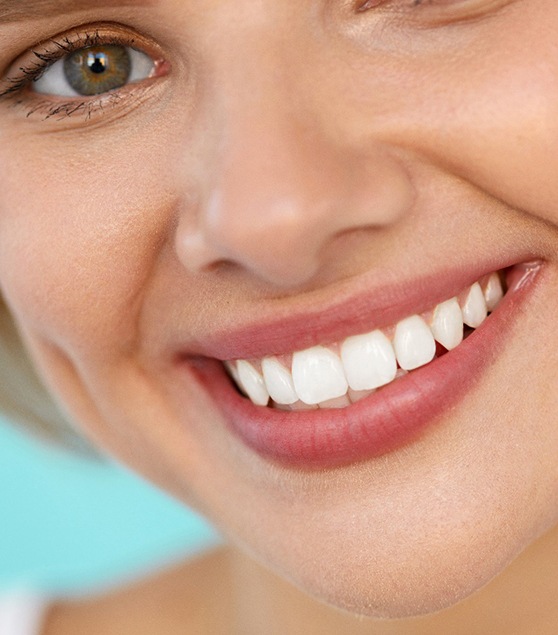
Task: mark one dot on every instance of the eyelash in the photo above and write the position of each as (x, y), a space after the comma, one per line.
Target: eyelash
(366, 5)
(53, 51)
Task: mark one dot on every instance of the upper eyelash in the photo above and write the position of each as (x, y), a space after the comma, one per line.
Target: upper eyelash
(366, 5)
(46, 58)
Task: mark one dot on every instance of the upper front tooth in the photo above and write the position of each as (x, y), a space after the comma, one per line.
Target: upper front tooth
(447, 324)
(252, 382)
(474, 309)
(318, 375)
(369, 360)
(413, 343)
(278, 381)
(493, 292)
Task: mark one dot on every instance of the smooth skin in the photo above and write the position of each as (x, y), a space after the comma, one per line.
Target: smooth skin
(286, 153)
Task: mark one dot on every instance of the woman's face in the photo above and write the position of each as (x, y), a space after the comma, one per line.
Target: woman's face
(278, 176)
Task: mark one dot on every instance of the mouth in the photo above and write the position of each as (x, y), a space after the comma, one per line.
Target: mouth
(366, 394)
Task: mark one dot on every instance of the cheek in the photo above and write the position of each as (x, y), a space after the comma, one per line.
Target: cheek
(478, 104)
(511, 152)
(78, 240)
(500, 128)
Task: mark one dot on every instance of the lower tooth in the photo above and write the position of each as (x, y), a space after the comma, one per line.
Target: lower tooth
(339, 402)
(357, 395)
(280, 406)
(300, 405)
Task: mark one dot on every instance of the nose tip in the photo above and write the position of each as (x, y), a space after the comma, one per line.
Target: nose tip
(279, 223)
(269, 243)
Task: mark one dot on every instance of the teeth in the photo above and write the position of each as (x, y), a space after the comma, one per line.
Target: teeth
(318, 375)
(338, 402)
(279, 381)
(368, 360)
(447, 324)
(474, 310)
(341, 374)
(252, 382)
(357, 395)
(413, 343)
(493, 292)
(231, 367)
(299, 405)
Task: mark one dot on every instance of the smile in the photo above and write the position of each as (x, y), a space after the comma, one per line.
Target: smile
(370, 392)
(342, 373)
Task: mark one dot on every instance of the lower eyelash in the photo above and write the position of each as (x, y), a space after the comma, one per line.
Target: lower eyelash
(59, 111)
(62, 110)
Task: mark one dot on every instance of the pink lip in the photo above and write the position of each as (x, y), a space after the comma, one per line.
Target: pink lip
(388, 419)
(378, 306)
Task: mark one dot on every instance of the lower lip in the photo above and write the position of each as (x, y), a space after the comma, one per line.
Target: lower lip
(390, 418)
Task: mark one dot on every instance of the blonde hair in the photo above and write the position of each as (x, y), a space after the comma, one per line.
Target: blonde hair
(23, 398)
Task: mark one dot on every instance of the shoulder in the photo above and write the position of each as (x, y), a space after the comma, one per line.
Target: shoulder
(192, 596)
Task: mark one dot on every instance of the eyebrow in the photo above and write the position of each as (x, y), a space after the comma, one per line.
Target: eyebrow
(19, 10)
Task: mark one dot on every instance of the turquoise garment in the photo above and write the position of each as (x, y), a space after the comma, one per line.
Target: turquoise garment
(72, 526)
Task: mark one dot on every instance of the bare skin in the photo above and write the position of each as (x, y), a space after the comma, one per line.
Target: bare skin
(280, 157)
(224, 592)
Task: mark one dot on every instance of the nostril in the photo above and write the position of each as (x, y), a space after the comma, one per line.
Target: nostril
(278, 256)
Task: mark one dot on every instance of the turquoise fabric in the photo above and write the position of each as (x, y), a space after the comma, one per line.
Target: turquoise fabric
(68, 525)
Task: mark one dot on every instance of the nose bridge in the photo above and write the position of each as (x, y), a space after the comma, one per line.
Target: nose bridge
(269, 165)
(271, 192)
(263, 129)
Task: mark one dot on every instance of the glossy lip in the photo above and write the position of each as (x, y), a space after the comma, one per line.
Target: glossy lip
(386, 420)
(349, 313)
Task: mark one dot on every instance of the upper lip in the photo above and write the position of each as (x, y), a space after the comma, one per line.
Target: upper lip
(350, 311)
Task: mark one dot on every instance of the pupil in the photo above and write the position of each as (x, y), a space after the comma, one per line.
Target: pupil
(97, 63)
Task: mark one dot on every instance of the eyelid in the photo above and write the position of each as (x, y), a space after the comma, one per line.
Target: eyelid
(463, 11)
(433, 12)
(39, 58)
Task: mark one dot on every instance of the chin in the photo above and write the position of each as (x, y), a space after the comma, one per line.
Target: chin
(398, 589)
(418, 562)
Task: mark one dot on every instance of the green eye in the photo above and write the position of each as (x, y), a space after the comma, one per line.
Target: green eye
(95, 70)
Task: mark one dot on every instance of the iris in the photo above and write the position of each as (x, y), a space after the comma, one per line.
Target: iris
(98, 69)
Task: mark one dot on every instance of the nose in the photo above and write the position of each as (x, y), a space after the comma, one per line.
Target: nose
(281, 187)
